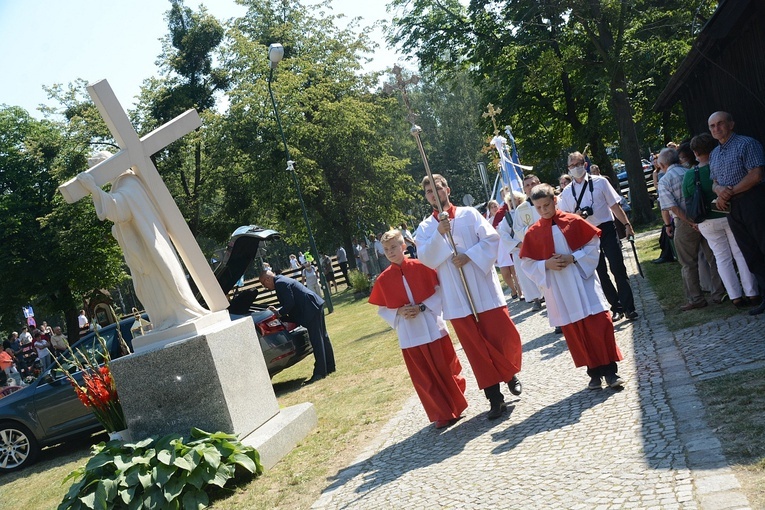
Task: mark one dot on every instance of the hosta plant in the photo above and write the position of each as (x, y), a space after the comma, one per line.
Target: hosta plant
(165, 473)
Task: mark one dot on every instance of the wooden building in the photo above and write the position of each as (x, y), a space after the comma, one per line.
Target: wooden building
(725, 70)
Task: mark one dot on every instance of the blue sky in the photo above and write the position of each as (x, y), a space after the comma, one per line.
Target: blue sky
(44, 42)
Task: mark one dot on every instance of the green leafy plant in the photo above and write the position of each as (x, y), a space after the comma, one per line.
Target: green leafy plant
(359, 281)
(165, 473)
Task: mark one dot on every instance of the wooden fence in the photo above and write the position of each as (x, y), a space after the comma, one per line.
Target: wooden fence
(268, 297)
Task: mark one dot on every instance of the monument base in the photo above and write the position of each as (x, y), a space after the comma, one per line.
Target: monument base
(215, 381)
(280, 434)
(160, 338)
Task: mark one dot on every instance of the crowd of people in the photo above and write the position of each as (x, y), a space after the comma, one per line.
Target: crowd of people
(26, 354)
(721, 249)
(453, 278)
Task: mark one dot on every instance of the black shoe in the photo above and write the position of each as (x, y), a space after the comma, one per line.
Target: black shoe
(631, 316)
(516, 388)
(661, 261)
(617, 316)
(758, 310)
(595, 383)
(496, 410)
(558, 330)
(614, 381)
(693, 306)
(313, 379)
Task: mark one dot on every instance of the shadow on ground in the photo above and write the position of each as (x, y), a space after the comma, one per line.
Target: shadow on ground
(556, 416)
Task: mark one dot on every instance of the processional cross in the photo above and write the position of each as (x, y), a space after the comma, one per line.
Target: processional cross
(415, 131)
(492, 112)
(135, 154)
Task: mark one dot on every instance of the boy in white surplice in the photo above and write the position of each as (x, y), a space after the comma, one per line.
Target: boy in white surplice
(560, 254)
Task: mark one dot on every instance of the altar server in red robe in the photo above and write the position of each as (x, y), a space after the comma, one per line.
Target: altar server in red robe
(408, 298)
(491, 343)
(560, 253)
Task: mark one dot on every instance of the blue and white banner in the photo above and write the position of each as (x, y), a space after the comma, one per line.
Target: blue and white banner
(510, 169)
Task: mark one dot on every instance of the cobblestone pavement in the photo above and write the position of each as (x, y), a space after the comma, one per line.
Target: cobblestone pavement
(561, 445)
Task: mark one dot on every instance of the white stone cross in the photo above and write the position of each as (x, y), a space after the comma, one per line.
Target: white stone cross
(135, 154)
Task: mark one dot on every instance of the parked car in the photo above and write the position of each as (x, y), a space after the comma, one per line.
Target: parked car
(622, 175)
(48, 411)
(283, 343)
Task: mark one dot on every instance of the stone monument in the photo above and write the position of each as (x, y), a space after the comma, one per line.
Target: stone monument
(196, 368)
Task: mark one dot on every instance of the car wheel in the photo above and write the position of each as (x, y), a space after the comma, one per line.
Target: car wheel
(18, 447)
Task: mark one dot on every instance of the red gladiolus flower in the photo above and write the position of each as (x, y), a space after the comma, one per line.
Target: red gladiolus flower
(97, 390)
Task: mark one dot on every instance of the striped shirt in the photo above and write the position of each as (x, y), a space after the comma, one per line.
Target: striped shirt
(731, 161)
(671, 188)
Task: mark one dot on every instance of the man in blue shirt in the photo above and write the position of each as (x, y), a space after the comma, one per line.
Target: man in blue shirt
(736, 169)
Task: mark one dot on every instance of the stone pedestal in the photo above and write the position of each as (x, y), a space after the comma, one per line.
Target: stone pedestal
(157, 339)
(215, 381)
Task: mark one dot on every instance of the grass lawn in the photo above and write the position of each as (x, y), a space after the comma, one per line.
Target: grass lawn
(370, 385)
(667, 283)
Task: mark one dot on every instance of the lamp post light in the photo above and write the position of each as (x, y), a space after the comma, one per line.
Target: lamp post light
(275, 55)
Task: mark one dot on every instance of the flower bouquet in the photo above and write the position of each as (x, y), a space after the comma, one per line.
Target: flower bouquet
(97, 390)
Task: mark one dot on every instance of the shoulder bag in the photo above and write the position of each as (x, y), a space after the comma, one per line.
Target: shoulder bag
(696, 206)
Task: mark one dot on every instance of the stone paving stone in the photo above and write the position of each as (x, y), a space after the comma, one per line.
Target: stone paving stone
(561, 446)
(717, 483)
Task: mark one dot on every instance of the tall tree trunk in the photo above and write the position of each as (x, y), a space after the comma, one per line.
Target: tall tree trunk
(628, 141)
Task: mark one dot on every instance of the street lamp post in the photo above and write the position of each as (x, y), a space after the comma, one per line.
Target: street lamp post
(275, 55)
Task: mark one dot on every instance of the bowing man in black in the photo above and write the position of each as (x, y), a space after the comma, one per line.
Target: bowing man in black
(304, 307)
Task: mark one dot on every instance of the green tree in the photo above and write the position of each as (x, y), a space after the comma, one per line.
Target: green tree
(339, 134)
(189, 81)
(455, 141)
(569, 66)
(53, 253)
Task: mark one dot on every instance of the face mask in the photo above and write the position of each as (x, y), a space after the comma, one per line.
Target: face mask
(578, 172)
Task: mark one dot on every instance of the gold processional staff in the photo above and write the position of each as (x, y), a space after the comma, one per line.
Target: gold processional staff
(415, 132)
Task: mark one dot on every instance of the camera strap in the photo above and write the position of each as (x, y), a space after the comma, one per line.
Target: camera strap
(581, 194)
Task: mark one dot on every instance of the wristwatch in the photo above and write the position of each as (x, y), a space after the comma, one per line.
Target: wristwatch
(422, 307)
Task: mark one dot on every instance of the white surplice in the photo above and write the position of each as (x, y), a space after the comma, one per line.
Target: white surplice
(427, 327)
(573, 293)
(524, 216)
(475, 237)
(507, 242)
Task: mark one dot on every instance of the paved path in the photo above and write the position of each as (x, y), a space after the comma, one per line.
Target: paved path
(562, 446)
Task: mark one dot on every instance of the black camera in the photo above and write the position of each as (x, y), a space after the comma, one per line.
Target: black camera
(586, 211)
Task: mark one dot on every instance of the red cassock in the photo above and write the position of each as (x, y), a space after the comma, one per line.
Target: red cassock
(590, 340)
(492, 345)
(433, 367)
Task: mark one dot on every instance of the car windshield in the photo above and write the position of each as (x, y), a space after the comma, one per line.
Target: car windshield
(89, 348)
